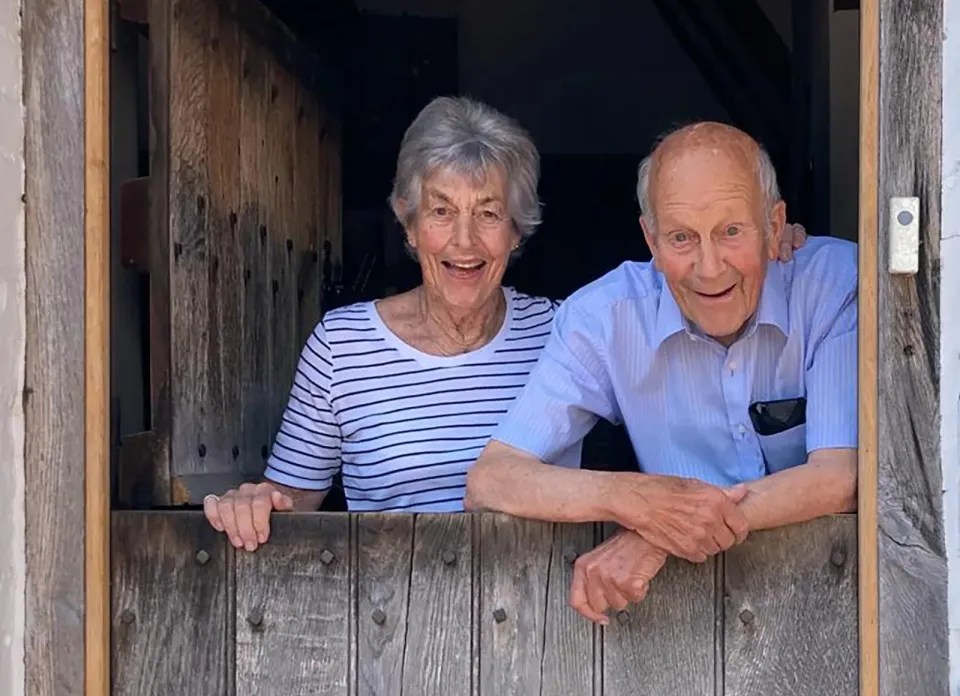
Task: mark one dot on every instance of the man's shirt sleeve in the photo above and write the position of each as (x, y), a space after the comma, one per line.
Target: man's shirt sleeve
(831, 373)
(567, 390)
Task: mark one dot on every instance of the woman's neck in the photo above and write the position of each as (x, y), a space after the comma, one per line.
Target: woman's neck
(459, 331)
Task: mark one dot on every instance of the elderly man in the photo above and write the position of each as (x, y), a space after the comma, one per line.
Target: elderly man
(736, 378)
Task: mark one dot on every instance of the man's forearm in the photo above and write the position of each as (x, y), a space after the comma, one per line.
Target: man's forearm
(825, 485)
(507, 480)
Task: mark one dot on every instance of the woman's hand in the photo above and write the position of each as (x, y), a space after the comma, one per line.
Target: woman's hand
(244, 514)
(793, 238)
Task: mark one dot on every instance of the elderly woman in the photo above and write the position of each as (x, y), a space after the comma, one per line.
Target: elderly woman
(401, 395)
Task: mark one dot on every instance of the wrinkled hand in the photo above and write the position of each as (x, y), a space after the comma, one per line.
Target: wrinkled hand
(244, 514)
(684, 517)
(794, 237)
(616, 573)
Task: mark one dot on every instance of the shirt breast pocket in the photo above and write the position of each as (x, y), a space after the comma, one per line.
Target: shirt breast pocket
(781, 428)
(784, 449)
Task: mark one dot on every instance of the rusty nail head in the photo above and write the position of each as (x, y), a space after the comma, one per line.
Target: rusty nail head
(746, 616)
(378, 616)
(623, 617)
(569, 555)
(127, 616)
(449, 557)
(838, 557)
(202, 557)
(255, 618)
(499, 615)
(326, 557)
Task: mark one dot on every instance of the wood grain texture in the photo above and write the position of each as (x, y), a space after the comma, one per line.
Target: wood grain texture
(97, 489)
(437, 657)
(515, 567)
(170, 603)
(225, 273)
(307, 207)
(53, 400)
(568, 658)
(281, 133)
(913, 571)
(190, 321)
(384, 569)
(255, 364)
(155, 488)
(790, 611)
(867, 485)
(665, 643)
(293, 609)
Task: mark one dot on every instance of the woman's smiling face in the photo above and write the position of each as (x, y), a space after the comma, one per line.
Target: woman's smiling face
(463, 234)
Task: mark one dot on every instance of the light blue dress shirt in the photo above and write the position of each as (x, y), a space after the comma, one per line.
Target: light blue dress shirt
(621, 350)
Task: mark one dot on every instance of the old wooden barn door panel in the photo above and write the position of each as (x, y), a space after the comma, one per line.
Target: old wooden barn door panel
(244, 192)
(907, 121)
(364, 604)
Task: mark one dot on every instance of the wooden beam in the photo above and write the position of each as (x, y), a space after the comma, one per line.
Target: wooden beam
(54, 383)
(869, 239)
(96, 20)
(912, 559)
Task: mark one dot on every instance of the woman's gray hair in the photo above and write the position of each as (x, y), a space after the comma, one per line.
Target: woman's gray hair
(766, 175)
(468, 137)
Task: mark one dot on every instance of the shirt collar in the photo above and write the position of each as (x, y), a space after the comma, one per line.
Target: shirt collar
(772, 310)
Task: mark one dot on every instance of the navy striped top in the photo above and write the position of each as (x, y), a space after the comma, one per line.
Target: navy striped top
(402, 425)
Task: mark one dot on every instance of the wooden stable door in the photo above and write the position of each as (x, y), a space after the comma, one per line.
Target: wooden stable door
(903, 580)
(244, 216)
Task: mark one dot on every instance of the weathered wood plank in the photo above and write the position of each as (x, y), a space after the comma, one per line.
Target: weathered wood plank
(189, 230)
(790, 612)
(251, 229)
(384, 569)
(282, 132)
(293, 609)
(170, 590)
(225, 280)
(307, 205)
(438, 651)
(53, 396)
(913, 572)
(665, 644)
(569, 641)
(516, 563)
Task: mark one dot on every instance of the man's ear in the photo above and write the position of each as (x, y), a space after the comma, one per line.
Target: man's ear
(648, 235)
(777, 221)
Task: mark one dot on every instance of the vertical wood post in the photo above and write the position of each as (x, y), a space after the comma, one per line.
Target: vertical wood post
(96, 22)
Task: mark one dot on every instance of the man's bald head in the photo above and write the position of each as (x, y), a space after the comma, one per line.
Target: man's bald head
(711, 139)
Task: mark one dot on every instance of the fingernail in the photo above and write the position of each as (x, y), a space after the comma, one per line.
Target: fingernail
(262, 537)
(250, 546)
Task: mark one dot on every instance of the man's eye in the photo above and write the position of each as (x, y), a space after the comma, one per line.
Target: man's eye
(680, 237)
(440, 211)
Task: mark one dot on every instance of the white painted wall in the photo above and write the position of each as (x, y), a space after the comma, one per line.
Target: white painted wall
(12, 345)
(950, 325)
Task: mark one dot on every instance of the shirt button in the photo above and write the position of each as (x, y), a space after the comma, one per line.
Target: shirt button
(731, 366)
(741, 429)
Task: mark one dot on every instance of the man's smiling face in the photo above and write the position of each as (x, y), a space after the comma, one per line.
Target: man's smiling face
(714, 232)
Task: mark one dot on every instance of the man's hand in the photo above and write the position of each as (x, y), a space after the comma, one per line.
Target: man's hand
(244, 514)
(616, 573)
(794, 237)
(684, 517)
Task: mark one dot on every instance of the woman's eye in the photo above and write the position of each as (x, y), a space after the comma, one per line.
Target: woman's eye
(489, 215)
(732, 231)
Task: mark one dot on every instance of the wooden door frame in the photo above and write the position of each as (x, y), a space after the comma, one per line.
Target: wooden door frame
(66, 59)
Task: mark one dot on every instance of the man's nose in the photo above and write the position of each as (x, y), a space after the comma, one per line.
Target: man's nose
(709, 265)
